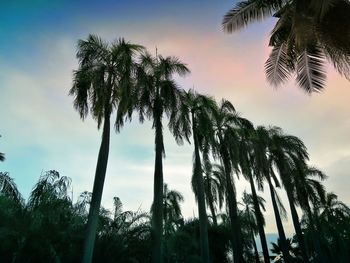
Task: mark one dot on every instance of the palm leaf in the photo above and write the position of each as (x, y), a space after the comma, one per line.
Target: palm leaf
(246, 12)
(277, 67)
(311, 75)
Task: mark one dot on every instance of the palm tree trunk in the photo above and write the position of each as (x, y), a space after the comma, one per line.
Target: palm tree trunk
(157, 212)
(281, 234)
(260, 221)
(100, 175)
(203, 219)
(256, 254)
(296, 224)
(236, 236)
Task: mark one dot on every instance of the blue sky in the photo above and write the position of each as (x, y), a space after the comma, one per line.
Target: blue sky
(41, 131)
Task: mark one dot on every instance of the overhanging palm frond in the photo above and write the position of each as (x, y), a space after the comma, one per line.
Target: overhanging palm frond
(311, 74)
(277, 67)
(246, 12)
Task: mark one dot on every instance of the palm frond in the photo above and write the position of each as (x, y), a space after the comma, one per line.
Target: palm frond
(246, 12)
(277, 66)
(9, 189)
(311, 75)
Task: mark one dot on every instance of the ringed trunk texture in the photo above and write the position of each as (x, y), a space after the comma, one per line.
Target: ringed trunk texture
(279, 224)
(203, 219)
(259, 218)
(100, 175)
(157, 213)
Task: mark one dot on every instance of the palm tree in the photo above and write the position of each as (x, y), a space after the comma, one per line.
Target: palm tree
(250, 213)
(103, 80)
(157, 94)
(253, 161)
(172, 210)
(195, 112)
(261, 143)
(305, 35)
(214, 186)
(225, 120)
(9, 189)
(286, 152)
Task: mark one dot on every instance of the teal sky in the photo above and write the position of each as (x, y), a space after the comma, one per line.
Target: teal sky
(41, 131)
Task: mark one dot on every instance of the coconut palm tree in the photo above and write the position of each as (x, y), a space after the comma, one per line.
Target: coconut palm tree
(214, 186)
(252, 154)
(196, 113)
(286, 152)
(9, 189)
(225, 120)
(261, 143)
(172, 210)
(251, 215)
(305, 35)
(157, 94)
(102, 81)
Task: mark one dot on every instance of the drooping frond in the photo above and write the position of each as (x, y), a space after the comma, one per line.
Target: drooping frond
(246, 12)
(9, 189)
(277, 67)
(311, 75)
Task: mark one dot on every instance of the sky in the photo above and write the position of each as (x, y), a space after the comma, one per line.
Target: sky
(41, 130)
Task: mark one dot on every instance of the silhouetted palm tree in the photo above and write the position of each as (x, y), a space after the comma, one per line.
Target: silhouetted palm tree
(157, 94)
(286, 152)
(261, 143)
(9, 189)
(253, 163)
(225, 120)
(172, 210)
(250, 214)
(102, 81)
(305, 34)
(214, 187)
(195, 113)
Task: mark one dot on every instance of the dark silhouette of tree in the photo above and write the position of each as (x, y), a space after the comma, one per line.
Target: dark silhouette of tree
(102, 81)
(157, 94)
(305, 35)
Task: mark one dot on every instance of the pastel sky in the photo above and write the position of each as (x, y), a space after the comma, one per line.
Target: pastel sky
(41, 131)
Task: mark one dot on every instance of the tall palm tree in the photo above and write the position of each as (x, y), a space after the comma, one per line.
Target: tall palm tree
(305, 35)
(172, 209)
(252, 161)
(196, 112)
(250, 212)
(261, 143)
(102, 81)
(225, 120)
(286, 152)
(214, 187)
(157, 94)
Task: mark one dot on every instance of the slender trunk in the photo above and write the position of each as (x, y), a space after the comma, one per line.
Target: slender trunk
(296, 224)
(236, 236)
(203, 219)
(281, 234)
(157, 213)
(260, 221)
(100, 175)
